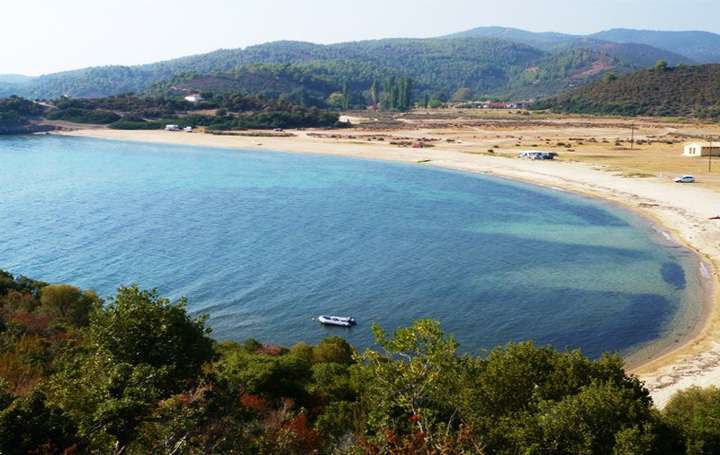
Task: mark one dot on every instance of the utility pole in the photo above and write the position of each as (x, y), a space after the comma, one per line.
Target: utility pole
(710, 154)
(632, 137)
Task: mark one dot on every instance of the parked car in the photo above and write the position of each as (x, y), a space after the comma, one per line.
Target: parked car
(685, 179)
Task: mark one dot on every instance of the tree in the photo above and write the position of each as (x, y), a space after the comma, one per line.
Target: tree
(336, 99)
(30, 425)
(661, 65)
(346, 96)
(331, 382)
(635, 441)
(500, 397)
(67, 304)
(405, 94)
(143, 348)
(599, 415)
(435, 103)
(397, 93)
(609, 77)
(695, 414)
(108, 400)
(333, 349)
(411, 381)
(374, 95)
(273, 376)
(140, 327)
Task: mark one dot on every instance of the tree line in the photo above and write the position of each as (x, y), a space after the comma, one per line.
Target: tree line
(229, 111)
(137, 373)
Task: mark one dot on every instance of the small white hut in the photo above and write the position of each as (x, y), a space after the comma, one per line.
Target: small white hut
(702, 149)
(194, 98)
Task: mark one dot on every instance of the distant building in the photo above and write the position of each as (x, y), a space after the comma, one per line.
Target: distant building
(195, 98)
(493, 105)
(171, 127)
(702, 149)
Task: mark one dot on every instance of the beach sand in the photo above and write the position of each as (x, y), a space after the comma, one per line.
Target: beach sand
(682, 211)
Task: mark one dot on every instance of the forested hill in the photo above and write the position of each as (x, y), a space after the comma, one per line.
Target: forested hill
(679, 91)
(698, 46)
(484, 66)
(703, 47)
(273, 81)
(433, 65)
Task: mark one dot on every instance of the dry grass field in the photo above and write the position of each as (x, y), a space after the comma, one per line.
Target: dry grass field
(604, 142)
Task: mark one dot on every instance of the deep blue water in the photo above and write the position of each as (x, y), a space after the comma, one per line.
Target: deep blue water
(264, 241)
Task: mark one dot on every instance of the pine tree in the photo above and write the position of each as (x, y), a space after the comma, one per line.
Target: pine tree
(387, 93)
(407, 93)
(346, 95)
(402, 93)
(374, 93)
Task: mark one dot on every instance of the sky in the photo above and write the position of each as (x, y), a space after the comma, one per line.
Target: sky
(45, 36)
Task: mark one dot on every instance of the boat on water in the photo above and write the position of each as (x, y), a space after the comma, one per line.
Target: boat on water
(339, 321)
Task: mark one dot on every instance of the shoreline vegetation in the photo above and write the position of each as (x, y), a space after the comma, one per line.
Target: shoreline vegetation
(682, 212)
(137, 373)
(214, 113)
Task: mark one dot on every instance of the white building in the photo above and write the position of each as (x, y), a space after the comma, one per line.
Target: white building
(171, 127)
(702, 149)
(194, 98)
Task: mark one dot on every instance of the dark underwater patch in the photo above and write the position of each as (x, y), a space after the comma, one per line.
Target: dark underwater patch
(673, 274)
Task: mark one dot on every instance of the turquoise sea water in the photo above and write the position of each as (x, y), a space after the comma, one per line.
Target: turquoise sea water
(263, 242)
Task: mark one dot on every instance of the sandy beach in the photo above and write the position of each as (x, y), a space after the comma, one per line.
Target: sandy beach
(682, 211)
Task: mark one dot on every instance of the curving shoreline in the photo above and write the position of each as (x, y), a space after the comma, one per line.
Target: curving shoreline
(682, 211)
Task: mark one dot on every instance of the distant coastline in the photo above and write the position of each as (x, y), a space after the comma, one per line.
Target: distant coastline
(680, 213)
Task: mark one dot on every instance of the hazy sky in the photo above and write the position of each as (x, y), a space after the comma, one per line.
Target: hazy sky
(42, 36)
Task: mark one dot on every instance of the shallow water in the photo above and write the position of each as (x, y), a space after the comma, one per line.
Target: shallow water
(265, 241)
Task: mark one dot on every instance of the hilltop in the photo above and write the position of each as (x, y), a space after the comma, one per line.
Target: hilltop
(483, 62)
(703, 47)
(680, 91)
(697, 46)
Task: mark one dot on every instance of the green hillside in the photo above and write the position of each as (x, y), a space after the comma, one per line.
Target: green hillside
(483, 65)
(283, 82)
(482, 62)
(564, 70)
(17, 116)
(680, 91)
(703, 47)
(633, 54)
(438, 67)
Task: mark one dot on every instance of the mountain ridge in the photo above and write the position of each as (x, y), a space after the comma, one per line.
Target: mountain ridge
(488, 61)
(701, 46)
